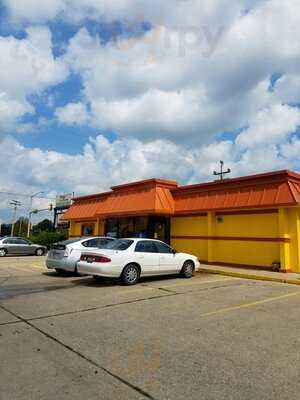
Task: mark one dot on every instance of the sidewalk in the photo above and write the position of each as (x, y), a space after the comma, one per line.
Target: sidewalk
(261, 275)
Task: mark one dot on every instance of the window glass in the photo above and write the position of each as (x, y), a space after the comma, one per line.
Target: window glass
(69, 241)
(121, 244)
(163, 248)
(145, 246)
(141, 227)
(102, 243)
(87, 229)
(8, 241)
(90, 243)
(112, 228)
(21, 241)
(126, 227)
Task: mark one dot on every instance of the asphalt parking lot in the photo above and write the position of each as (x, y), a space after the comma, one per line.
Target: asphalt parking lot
(211, 337)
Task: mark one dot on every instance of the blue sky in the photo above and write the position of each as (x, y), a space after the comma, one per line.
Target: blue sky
(93, 94)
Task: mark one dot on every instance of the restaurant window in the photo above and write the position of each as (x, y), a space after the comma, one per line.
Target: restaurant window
(154, 227)
(87, 229)
(112, 228)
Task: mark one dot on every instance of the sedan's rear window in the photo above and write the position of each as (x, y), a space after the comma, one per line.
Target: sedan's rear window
(121, 244)
(69, 241)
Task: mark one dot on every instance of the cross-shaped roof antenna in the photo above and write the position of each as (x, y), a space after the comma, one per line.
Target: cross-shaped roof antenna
(222, 173)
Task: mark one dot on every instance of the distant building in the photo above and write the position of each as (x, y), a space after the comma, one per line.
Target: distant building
(252, 221)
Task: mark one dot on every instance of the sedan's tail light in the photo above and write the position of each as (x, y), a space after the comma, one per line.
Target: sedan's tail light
(96, 259)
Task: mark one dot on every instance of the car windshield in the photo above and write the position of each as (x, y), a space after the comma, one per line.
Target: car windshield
(121, 244)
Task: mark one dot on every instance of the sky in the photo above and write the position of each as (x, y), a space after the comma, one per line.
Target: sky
(95, 93)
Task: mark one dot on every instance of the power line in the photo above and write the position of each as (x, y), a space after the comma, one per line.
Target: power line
(26, 195)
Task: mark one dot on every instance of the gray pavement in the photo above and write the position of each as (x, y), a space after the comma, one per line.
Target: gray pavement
(212, 337)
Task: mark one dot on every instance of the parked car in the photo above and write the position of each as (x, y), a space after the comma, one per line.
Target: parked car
(64, 256)
(129, 259)
(20, 246)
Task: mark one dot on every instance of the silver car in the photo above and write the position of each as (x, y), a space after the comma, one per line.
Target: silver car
(20, 246)
(64, 256)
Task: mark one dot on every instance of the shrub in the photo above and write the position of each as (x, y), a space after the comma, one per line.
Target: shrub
(48, 238)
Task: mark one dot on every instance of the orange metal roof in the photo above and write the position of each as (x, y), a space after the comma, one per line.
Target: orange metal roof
(147, 197)
(83, 209)
(274, 189)
(151, 196)
(157, 196)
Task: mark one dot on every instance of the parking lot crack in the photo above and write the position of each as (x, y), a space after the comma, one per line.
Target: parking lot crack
(79, 354)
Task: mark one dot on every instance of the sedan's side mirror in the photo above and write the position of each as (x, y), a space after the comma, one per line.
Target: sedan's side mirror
(174, 251)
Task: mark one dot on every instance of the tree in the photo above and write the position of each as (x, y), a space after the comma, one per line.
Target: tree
(5, 230)
(20, 228)
(43, 226)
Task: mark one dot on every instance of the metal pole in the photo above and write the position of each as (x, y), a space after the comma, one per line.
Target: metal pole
(13, 219)
(30, 212)
(29, 218)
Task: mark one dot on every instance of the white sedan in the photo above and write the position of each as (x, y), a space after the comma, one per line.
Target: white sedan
(64, 256)
(129, 259)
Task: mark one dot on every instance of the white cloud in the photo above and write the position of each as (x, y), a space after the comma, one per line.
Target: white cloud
(270, 126)
(27, 66)
(72, 114)
(159, 85)
(170, 11)
(102, 164)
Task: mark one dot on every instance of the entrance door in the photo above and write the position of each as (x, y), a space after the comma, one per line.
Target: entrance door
(159, 228)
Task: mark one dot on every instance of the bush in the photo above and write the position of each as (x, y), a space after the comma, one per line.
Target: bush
(48, 238)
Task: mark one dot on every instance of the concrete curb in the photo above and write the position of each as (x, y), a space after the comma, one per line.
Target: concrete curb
(246, 275)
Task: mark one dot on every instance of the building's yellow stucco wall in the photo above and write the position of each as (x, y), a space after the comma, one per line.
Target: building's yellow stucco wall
(292, 250)
(265, 229)
(247, 253)
(75, 229)
(256, 226)
(195, 226)
(249, 225)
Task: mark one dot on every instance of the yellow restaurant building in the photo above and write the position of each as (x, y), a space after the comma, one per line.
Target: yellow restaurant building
(250, 221)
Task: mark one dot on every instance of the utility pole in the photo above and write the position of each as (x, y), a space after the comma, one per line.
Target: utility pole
(15, 204)
(30, 212)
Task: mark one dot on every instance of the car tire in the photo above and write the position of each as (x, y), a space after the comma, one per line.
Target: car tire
(3, 252)
(39, 252)
(59, 271)
(187, 270)
(98, 278)
(130, 275)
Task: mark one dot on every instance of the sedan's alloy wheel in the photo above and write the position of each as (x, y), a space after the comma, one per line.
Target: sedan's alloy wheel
(187, 269)
(39, 252)
(130, 274)
(2, 252)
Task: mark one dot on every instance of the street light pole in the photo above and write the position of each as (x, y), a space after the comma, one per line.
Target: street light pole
(30, 212)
